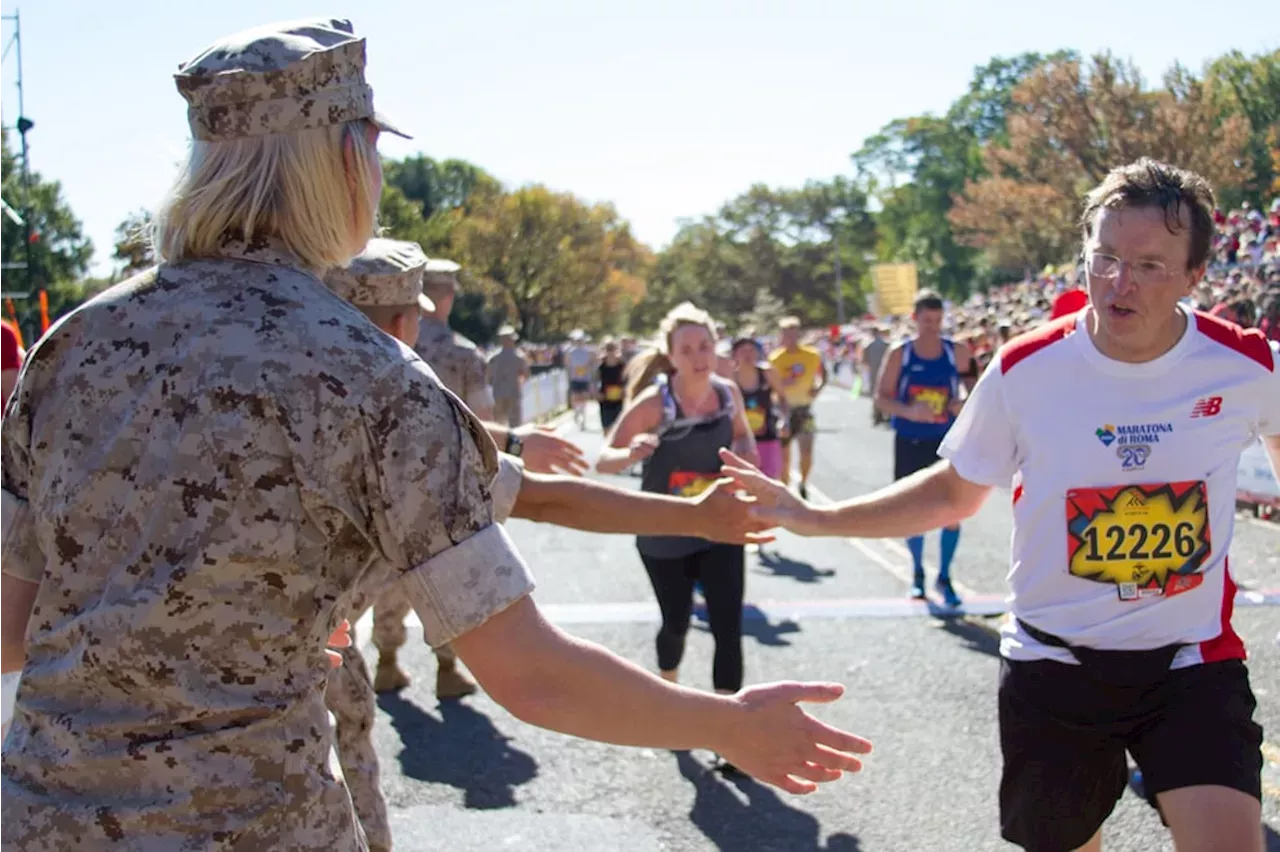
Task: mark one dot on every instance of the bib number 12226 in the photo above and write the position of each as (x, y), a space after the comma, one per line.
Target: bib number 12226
(1147, 540)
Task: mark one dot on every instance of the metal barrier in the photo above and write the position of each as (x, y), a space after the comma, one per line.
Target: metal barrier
(1256, 484)
(545, 394)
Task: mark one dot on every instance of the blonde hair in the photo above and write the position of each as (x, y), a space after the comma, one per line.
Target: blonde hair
(292, 186)
(644, 368)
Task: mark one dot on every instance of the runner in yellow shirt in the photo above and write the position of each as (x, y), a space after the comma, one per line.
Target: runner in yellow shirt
(803, 375)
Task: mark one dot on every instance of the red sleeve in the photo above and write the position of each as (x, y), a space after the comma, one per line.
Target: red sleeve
(12, 359)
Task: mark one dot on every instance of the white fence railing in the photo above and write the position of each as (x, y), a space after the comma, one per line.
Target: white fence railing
(545, 394)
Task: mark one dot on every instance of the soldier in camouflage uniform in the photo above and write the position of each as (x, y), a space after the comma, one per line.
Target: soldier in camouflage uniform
(461, 368)
(385, 283)
(201, 465)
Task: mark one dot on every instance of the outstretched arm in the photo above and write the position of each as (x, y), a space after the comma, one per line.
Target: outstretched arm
(582, 504)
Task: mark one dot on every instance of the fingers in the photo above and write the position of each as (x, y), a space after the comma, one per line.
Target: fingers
(814, 772)
(834, 738)
(341, 638)
(760, 538)
(832, 759)
(791, 785)
(818, 693)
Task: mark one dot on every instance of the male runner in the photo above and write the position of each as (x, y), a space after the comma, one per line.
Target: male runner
(580, 363)
(919, 388)
(803, 376)
(1123, 425)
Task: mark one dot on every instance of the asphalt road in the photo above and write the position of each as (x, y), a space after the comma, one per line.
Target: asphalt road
(467, 776)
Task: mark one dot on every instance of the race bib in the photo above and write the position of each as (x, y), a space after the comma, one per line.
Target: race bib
(755, 420)
(1148, 540)
(580, 372)
(613, 393)
(684, 483)
(936, 398)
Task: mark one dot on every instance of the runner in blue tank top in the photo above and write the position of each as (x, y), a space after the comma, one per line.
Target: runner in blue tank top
(919, 389)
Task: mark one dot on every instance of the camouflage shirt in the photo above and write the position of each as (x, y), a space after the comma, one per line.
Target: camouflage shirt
(455, 360)
(199, 467)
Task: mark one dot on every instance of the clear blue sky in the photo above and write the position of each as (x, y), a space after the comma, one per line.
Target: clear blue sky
(664, 107)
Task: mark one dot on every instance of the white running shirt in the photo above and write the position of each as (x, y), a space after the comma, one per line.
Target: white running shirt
(1124, 481)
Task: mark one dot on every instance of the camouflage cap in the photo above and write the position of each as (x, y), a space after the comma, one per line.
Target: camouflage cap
(278, 78)
(441, 271)
(387, 272)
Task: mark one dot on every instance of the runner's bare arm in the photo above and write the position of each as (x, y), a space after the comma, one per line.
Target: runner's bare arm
(822, 377)
(887, 384)
(775, 383)
(550, 679)
(935, 497)
(744, 441)
(17, 597)
(964, 362)
(632, 433)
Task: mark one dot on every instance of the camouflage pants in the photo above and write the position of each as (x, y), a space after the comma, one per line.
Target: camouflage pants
(507, 410)
(389, 632)
(350, 698)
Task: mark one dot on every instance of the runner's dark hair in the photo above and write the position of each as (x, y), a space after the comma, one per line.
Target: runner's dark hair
(1151, 183)
(927, 300)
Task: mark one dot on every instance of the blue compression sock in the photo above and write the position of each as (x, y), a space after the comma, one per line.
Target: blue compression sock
(916, 545)
(950, 539)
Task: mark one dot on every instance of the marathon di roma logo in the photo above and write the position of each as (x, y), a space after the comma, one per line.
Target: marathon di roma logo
(1147, 540)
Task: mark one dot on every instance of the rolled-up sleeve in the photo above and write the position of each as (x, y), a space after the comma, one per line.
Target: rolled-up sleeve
(430, 466)
(506, 486)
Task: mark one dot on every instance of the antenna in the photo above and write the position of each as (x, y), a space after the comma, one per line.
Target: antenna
(23, 214)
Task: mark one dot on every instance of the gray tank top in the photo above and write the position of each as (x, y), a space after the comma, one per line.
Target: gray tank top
(686, 462)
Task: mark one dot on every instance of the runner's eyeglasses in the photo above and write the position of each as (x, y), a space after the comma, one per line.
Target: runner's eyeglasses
(1108, 266)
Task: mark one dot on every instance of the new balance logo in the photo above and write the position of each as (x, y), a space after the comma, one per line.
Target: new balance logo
(1207, 407)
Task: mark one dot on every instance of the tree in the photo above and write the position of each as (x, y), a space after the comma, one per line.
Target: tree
(776, 241)
(1070, 125)
(133, 244)
(555, 261)
(914, 167)
(58, 253)
(1239, 85)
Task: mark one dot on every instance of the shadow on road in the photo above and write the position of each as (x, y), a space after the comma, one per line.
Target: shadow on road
(754, 624)
(782, 566)
(762, 822)
(975, 637)
(462, 748)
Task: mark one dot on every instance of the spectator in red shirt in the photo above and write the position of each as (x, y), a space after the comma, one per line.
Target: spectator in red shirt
(12, 361)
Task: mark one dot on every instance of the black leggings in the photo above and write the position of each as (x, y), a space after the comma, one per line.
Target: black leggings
(722, 570)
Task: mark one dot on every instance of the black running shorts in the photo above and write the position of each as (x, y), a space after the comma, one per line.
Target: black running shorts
(800, 422)
(1064, 736)
(913, 454)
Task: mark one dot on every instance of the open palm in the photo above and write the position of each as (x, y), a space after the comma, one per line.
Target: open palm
(775, 505)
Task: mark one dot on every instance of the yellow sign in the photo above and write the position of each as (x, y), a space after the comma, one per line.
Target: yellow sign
(896, 287)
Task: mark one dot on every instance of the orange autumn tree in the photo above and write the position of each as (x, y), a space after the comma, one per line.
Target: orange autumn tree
(1069, 125)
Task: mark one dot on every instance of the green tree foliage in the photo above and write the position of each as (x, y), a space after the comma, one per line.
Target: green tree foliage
(779, 242)
(133, 250)
(556, 262)
(1250, 86)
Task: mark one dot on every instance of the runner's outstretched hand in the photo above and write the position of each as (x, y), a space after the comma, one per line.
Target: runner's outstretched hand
(775, 504)
(725, 516)
(778, 743)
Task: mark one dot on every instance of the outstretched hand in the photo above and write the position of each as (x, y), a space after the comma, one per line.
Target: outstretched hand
(725, 516)
(779, 743)
(774, 504)
(547, 452)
